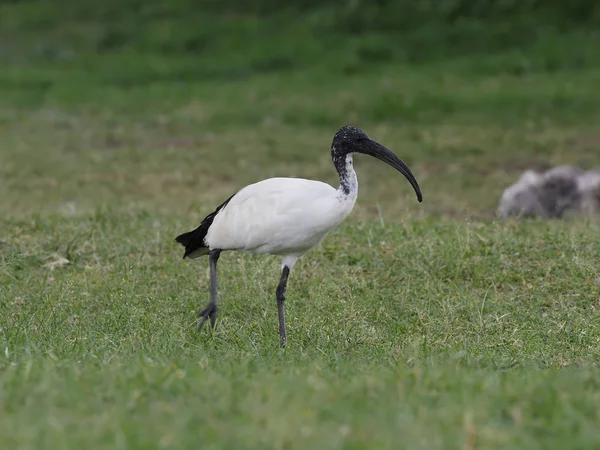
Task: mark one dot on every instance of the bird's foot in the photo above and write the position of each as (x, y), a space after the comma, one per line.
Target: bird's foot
(209, 312)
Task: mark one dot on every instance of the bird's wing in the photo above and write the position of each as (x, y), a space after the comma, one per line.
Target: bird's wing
(275, 215)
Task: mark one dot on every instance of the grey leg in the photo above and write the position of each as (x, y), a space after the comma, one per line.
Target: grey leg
(211, 310)
(280, 294)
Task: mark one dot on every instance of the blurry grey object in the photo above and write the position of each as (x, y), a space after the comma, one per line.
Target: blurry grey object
(522, 199)
(589, 186)
(561, 191)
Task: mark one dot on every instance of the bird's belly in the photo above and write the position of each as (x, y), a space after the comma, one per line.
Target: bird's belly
(298, 244)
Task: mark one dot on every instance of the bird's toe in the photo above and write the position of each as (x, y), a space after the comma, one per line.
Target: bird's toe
(210, 312)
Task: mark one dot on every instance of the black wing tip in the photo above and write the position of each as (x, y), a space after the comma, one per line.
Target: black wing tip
(185, 238)
(194, 240)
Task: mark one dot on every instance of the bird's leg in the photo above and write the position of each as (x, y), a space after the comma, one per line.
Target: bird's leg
(280, 294)
(211, 310)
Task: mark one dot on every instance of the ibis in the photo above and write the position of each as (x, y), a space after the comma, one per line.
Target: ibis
(285, 216)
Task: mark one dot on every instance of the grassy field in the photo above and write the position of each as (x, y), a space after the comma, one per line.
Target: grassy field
(418, 326)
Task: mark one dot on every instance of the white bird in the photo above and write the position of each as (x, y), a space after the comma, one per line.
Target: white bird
(285, 216)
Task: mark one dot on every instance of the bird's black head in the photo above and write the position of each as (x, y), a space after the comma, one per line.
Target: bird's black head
(350, 139)
(347, 140)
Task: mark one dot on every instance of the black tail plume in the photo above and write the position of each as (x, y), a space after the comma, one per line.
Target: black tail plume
(194, 241)
(186, 238)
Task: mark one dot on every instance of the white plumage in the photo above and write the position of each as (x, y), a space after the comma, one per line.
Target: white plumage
(279, 216)
(285, 216)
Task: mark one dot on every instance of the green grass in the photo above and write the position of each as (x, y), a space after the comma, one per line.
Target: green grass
(422, 333)
(430, 325)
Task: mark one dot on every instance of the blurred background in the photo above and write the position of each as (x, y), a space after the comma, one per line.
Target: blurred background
(173, 105)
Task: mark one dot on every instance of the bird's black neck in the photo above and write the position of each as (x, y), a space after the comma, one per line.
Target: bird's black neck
(344, 165)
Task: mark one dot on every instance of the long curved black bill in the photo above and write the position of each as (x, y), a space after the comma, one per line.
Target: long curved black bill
(375, 149)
